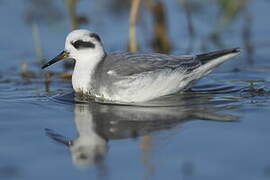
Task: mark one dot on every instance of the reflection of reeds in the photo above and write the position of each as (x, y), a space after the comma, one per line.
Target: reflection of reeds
(65, 76)
(146, 148)
(132, 44)
(47, 81)
(252, 90)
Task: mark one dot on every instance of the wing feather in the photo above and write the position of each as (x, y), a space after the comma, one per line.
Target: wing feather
(127, 64)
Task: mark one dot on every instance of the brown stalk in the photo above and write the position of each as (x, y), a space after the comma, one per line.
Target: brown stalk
(71, 5)
(160, 41)
(132, 44)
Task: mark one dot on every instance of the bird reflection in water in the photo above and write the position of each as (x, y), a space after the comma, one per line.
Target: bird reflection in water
(97, 124)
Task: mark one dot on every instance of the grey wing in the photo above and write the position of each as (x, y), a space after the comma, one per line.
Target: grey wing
(127, 64)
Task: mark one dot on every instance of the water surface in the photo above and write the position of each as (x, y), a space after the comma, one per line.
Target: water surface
(218, 130)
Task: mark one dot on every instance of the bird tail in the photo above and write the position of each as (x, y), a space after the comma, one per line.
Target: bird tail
(220, 55)
(211, 60)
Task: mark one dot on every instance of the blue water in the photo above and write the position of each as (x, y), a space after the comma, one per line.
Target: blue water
(220, 130)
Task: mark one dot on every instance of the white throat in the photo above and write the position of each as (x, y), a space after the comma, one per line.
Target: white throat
(84, 70)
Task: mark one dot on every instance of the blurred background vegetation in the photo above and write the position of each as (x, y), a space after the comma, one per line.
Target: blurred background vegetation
(34, 30)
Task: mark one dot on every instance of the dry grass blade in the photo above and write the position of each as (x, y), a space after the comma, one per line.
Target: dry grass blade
(25, 73)
(161, 41)
(65, 76)
(71, 5)
(132, 44)
(187, 10)
(37, 43)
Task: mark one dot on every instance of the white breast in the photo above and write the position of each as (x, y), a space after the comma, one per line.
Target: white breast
(83, 72)
(81, 79)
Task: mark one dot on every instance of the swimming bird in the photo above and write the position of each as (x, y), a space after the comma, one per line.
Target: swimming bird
(132, 77)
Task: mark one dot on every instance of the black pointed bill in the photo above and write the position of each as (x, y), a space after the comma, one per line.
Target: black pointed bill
(59, 57)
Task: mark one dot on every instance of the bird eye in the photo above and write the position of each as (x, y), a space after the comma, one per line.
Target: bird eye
(94, 35)
(79, 44)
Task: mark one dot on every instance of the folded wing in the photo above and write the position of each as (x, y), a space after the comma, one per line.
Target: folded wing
(127, 64)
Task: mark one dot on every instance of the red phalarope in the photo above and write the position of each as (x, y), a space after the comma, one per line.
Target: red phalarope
(133, 77)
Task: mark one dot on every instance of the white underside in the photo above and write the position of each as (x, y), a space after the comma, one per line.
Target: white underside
(146, 87)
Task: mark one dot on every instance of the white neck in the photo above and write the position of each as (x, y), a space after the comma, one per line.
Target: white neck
(84, 70)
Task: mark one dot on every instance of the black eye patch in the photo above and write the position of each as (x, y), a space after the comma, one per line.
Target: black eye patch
(94, 35)
(79, 44)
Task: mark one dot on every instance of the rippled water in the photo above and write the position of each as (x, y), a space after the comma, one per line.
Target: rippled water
(218, 130)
